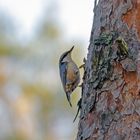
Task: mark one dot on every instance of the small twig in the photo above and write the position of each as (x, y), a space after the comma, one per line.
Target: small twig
(79, 107)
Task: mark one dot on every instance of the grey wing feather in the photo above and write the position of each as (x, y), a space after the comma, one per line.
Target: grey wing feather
(63, 73)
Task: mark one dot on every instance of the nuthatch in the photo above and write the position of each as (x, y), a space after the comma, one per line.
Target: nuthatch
(69, 73)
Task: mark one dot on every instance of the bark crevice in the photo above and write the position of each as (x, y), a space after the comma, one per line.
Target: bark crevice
(111, 85)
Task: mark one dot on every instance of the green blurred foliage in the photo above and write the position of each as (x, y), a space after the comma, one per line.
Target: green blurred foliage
(33, 103)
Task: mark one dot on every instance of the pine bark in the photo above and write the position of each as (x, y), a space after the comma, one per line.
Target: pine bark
(110, 107)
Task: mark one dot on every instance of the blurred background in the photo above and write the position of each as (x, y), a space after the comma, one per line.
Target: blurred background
(33, 35)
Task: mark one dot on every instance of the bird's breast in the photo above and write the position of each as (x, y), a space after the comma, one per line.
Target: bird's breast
(71, 73)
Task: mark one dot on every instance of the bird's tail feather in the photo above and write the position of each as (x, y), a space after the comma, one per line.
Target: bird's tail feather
(68, 98)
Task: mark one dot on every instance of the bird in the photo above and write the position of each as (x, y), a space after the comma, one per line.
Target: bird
(69, 73)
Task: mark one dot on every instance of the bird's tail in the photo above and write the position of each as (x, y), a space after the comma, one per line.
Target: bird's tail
(68, 98)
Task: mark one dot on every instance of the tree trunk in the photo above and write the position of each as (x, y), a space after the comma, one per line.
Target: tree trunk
(110, 107)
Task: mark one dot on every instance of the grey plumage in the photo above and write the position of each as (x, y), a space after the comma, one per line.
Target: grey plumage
(69, 73)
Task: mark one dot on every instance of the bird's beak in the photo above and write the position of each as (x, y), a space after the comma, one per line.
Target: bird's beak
(71, 49)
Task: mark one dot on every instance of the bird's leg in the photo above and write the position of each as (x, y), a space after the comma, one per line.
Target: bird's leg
(82, 66)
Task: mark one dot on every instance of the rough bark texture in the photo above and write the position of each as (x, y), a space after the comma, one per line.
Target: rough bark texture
(110, 108)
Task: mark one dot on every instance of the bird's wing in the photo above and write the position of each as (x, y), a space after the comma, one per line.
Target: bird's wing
(63, 73)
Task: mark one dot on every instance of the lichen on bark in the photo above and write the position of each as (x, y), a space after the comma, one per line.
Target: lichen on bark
(110, 89)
